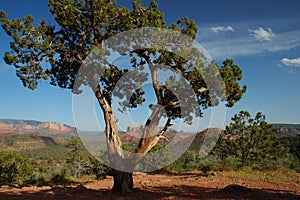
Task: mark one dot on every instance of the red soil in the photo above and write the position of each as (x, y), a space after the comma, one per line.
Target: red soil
(183, 186)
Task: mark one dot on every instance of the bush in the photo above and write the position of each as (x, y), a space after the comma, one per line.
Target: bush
(287, 160)
(14, 169)
(59, 178)
(41, 181)
(151, 161)
(97, 168)
(186, 162)
(209, 164)
(231, 162)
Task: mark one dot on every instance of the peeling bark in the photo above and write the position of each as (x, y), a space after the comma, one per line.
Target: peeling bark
(112, 135)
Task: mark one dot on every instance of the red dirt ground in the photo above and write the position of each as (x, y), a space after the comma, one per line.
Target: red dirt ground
(182, 186)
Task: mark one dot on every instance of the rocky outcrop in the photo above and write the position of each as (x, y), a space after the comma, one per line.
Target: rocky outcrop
(287, 130)
(135, 129)
(30, 126)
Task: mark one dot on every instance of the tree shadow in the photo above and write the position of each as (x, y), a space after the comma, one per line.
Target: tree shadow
(80, 192)
(229, 192)
(187, 174)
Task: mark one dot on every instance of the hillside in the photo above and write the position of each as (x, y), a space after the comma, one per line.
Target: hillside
(13, 126)
(19, 135)
(52, 128)
(287, 130)
(16, 142)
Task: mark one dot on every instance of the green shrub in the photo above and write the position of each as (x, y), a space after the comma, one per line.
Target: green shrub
(186, 162)
(14, 169)
(231, 162)
(59, 178)
(151, 162)
(287, 160)
(41, 181)
(209, 164)
(97, 168)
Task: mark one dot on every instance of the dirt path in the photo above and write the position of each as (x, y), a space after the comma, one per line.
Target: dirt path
(183, 186)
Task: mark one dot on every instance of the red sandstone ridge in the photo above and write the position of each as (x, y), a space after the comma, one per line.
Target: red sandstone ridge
(55, 127)
(30, 126)
(134, 134)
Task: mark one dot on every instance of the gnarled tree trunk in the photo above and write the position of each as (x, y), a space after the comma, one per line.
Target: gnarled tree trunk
(123, 182)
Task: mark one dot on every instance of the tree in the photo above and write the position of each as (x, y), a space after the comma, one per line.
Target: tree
(251, 139)
(57, 52)
(77, 158)
(292, 144)
(80, 161)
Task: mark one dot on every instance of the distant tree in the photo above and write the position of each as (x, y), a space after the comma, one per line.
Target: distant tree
(77, 158)
(292, 144)
(292, 147)
(97, 168)
(80, 162)
(56, 52)
(14, 169)
(250, 139)
(187, 162)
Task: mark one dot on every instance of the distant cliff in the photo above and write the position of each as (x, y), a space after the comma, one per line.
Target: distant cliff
(287, 130)
(31, 126)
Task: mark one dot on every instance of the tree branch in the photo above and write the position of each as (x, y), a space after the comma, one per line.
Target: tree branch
(167, 125)
(154, 74)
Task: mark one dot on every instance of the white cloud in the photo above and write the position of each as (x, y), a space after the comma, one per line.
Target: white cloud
(291, 62)
(262, 34)
(218, 29)
(222, 47)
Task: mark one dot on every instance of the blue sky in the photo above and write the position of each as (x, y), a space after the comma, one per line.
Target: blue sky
(263, 38)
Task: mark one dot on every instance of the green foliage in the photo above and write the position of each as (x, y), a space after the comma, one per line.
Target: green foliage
(292, 144)
(232, 73)
(231, 162)
(291, 159)
(190, 162)
(40, 181)
(209, 164)
(161, 154)
(80, 162)
(14, 169)
(96, 167)
(59, 178)
(57, 52)
(250, 139)
(186, 162)
(47, 161)
(60, 163)
(76, 158)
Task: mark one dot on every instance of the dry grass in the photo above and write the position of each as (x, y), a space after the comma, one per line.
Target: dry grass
(270, 176)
